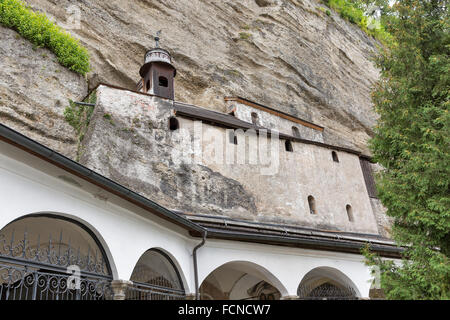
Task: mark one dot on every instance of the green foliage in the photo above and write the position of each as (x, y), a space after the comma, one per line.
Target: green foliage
(109, 118)
(412, 143)
(79, 116)
(245, 35)
(326, 11)
(38, 29)
(353, 11)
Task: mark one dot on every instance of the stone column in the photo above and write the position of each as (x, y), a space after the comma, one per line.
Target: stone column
(289, 298)
(119, 288)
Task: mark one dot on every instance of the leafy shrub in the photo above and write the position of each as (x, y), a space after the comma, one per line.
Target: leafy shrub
(79, 116)
(350, 11)
(42, 32)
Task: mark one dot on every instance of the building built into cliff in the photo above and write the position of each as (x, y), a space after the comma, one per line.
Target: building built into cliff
(174, 201)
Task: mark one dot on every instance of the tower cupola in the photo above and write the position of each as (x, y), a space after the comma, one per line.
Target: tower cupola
(158, 72)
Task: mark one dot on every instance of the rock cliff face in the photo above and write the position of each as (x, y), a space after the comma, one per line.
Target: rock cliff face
(34, 91)
(286, 54)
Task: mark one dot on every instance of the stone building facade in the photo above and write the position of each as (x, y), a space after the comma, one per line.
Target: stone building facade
(174, 201)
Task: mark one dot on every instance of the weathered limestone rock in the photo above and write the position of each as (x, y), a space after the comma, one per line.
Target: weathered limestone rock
(34, 91)
(384, 222)
(128, 141)
(286, 54)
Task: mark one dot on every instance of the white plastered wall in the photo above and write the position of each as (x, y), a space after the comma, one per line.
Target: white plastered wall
(29, 185)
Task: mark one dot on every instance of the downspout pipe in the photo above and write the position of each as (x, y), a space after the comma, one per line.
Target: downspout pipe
(85, 103)
(194, 255)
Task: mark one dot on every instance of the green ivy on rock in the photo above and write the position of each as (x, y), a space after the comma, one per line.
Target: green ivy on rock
(42, 32)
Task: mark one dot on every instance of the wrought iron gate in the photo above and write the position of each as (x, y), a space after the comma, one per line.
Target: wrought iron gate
(155, 277)
(51, 270)
(22, 282)
(145, 291)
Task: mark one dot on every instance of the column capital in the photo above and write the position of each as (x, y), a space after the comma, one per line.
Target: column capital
(190, 296)
(119, 288)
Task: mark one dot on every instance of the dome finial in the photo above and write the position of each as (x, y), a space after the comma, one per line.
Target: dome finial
(158, 72)
(157, 37)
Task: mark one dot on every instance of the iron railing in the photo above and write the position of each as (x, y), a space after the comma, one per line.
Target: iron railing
(145, 291)
(51, 254)
(34, 271)
(26, 283)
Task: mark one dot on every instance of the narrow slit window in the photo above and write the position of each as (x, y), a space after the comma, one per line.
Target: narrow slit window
(254, 118)
(312, 205)
(232, 137)
(334, 156)
(295, 132)
(349, 213)
(163, 82)
(173, 124)
(288, 146)
(147, 87)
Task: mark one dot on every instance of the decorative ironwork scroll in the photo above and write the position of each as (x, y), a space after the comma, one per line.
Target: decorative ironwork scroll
(326, 291)
(24, 283)
(36, 268)
(53, 253)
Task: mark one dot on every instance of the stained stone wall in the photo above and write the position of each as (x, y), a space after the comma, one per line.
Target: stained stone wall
(129, 141)
(268, 120)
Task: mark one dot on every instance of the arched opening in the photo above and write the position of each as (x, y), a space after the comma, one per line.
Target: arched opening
(334, 156)
(349, 212)
(326, 283)
(155, 277)
(173, 124)
(312, 205)
(240, 280)
(47, 257)
(163, 82)
(295, 132)
(288, 146)
(232, 137)
(254, 118)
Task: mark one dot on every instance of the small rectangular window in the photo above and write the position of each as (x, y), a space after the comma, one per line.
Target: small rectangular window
(163, 82)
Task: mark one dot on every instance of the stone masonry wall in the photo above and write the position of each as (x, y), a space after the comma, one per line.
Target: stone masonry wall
(129, 141)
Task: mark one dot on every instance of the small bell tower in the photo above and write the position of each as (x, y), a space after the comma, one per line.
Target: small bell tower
(158, 72)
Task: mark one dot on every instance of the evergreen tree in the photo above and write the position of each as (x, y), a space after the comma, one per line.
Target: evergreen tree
(412, 143)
